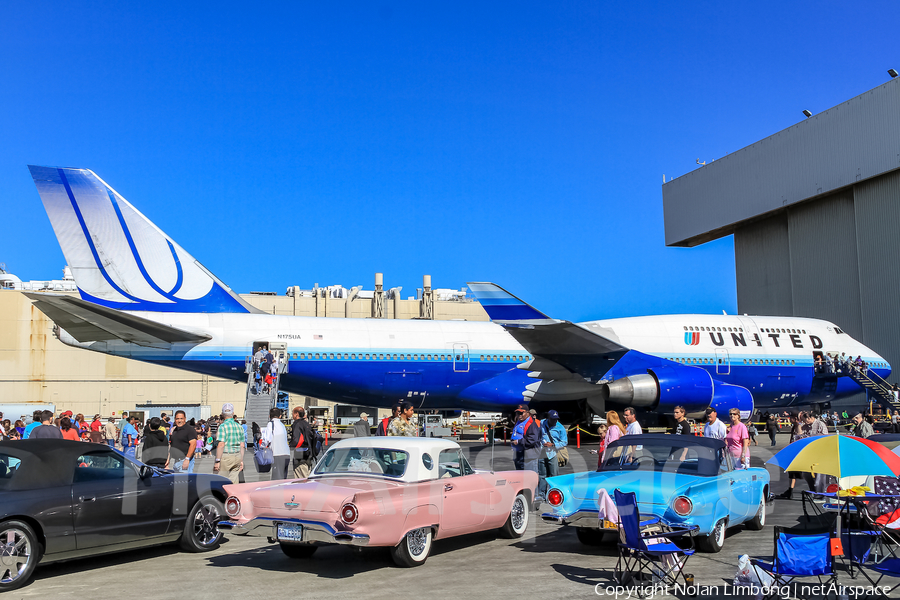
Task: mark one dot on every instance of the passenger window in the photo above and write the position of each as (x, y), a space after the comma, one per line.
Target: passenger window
(9, 465)
(448, 464)
(101, 466)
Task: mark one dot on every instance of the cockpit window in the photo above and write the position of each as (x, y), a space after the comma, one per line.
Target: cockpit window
(838, 330)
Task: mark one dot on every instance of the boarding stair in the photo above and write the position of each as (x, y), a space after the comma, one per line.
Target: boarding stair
(878, 388)
(257, 407)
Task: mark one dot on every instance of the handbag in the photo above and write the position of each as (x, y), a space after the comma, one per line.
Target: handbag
(263, 458)
(562, 456)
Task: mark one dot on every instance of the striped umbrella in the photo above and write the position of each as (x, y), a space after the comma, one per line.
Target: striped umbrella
(838, 455)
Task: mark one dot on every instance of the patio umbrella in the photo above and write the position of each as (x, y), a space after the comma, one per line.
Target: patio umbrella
(838, 455)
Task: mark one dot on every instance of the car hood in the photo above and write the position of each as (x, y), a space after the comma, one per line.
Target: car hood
(651, 487)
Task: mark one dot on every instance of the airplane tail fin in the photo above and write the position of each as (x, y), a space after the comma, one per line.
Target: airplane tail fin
(118, 257)
(500, 305)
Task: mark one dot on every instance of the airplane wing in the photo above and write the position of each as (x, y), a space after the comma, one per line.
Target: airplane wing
(585, 352)
(89, 322)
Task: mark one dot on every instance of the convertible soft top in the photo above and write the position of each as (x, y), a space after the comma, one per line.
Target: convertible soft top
(667, 439)
(45, 463)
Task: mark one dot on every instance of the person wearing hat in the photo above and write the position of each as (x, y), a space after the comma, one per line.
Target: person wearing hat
(231, 443)
(553, 437)
(714, 428)
(526, 441)
(362, 428)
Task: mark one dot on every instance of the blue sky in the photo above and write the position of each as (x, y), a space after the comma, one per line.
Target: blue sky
(522, 143)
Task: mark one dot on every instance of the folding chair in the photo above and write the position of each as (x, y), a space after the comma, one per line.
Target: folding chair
(800, 552)
(889, 567)
(637, 557)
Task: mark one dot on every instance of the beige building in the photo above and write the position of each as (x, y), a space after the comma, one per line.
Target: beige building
(37, 368)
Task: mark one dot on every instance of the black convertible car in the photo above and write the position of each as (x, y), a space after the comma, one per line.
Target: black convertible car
(61, 499)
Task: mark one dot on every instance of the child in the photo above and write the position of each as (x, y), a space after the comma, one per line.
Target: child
(601, 431)
(752, 431)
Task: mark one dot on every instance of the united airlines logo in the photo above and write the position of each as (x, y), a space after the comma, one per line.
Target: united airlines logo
(691, 338)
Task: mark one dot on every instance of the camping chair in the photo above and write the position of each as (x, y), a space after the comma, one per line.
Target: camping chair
(661, 557)
(800, 552)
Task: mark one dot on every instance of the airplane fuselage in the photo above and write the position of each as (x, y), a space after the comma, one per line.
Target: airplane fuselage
(472, 365)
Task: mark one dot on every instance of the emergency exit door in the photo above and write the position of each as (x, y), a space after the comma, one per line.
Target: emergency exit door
(723, 362)
(461, 358)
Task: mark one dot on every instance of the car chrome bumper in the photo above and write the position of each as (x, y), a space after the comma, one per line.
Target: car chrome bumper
(581, 518)
(313, 531)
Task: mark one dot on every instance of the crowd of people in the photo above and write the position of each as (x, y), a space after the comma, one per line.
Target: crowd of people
(265, 371)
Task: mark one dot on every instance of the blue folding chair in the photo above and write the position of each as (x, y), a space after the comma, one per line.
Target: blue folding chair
(637, 557)
(800, 552)
(889, 567)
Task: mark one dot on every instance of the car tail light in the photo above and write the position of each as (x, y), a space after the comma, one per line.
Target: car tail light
(555, 497)
(233, 506)
(349, 513)
(683, 506)
(833, 488)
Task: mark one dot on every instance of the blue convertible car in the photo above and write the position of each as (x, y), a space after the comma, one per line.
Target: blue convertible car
(682, 480)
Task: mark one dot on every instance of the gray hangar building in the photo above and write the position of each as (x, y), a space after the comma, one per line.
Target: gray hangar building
(815, 214)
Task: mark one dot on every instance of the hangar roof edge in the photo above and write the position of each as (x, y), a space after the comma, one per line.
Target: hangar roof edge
(854, 141)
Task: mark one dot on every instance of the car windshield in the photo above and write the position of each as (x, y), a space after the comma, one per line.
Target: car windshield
(378, 461)
(689, 459)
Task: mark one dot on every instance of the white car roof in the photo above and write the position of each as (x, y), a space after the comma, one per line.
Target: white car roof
(415, 447)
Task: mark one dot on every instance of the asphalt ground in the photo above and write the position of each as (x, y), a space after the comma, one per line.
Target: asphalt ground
(547, 563)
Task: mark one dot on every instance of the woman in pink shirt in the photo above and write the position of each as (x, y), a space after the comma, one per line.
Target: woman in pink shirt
(615, 431)
(737, 440)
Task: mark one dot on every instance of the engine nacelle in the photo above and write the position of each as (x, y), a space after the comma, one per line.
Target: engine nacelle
(664, 388)
(727, 396)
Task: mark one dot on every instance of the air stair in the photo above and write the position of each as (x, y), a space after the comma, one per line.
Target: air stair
(878, 388)
(257, 407)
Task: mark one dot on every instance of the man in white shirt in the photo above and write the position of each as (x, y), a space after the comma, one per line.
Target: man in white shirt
(714, 428)
(633, 427)
(275, 436)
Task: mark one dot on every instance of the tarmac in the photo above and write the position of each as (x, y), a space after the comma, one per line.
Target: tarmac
(547, 563)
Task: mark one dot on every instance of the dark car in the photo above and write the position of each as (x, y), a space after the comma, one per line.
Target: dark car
(62, 499)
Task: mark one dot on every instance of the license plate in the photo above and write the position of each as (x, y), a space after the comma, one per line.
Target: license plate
(289, 532)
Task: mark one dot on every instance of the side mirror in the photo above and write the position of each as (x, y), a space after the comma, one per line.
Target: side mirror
(146, 472)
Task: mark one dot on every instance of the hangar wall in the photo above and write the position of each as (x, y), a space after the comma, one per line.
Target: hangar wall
(815, 214)
(833, 258)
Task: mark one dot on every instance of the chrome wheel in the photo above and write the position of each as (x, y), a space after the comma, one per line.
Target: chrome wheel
(518, 514)
(719, 533)
(762, 513)
(417, 541)
(16, 553)
(205, 530)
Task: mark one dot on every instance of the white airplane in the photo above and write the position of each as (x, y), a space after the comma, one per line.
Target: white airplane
(142, 296)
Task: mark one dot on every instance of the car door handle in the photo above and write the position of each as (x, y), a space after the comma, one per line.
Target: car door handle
(732, 482)
(448, 487)
(86, 498)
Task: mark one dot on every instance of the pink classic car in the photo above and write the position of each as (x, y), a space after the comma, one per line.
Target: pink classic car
(382, 491)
